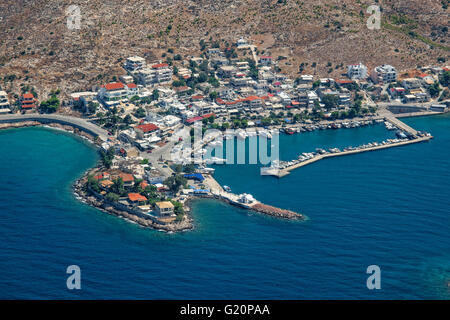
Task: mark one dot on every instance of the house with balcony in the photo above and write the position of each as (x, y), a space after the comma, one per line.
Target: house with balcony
(146, 131)
(28, 101)
(112, 94)
(158, 73)
(164, 208)
(4, 102)
(132, 89)
(357, 71)
(135, 63)
(384, 74)
(265, 60)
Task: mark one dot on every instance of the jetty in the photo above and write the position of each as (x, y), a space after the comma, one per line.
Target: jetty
(413, 136)
(247, 201)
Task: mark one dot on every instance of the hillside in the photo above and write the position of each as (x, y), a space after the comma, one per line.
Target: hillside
(37, 48)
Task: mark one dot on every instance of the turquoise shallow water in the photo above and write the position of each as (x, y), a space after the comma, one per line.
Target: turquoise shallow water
(389, 208)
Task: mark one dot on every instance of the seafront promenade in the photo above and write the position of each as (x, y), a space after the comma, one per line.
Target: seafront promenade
(79, 123)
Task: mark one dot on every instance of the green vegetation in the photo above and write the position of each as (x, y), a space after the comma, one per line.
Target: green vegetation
(175, 182)
(51, 105)
(107, 157)
(444, 78)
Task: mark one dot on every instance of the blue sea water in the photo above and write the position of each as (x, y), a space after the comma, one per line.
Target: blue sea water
(388, 208)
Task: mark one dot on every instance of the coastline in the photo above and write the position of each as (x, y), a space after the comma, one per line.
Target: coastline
(187, 223)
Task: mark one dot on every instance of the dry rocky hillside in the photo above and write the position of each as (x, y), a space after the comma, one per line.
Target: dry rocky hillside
(322, 36)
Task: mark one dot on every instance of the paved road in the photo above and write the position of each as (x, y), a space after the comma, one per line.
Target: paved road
(80, 123)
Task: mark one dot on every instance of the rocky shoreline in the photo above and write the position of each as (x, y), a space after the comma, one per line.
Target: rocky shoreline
(83, 196)
(184, 225)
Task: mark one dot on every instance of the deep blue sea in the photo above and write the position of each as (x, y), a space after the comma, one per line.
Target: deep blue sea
(388, 208)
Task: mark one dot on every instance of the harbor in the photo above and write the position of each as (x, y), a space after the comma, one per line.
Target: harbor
(405, 135)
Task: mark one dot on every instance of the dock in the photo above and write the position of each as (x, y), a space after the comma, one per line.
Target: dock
(285, 171)
(250, 203)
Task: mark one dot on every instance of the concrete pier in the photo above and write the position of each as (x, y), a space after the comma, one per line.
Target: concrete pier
(285, 171)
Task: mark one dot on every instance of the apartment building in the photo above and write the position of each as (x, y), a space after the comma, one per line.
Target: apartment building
(384, 74)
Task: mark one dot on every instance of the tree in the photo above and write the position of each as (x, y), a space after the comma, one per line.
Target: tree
(330, 101)
(213, 95)
(92, 107)
(178, 209)
(189, 168)
(140, 113)
(175, 182)
(92, 183)
(50, 105)
(107, 157)
(434, 90)
(112, 197)
(127, 119)
(155, 94)
(444, 78)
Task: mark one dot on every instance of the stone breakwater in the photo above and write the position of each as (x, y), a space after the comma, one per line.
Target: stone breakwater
(23, 124)
(79, 191)
(276, 212)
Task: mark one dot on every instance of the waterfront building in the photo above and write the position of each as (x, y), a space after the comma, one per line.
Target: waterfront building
(127, 178)
(4, 102)
(136, 199)
(28, 101)
(164, 208)
(113, 94)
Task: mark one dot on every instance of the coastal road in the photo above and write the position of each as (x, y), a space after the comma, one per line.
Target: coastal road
(79, 123)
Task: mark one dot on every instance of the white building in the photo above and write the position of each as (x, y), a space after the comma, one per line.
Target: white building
(135, 63)
(357, 71)
(158, 73)
(242, 43)
(411, 83)
(112, 94)
(384, 73)
(265, 60)
(4, 102)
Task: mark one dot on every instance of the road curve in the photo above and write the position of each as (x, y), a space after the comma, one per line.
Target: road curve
(79, 123)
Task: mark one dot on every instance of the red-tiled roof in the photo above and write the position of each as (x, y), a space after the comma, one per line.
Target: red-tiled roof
(28, 96)
(126, 177)
(143, 184)
(149, 127)
(343, 81)
(194, 119)
(136, 197)
(198, 97)
(132, 85)
(208, 115)
(251, 98)
(160, 65)
(114, 86)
